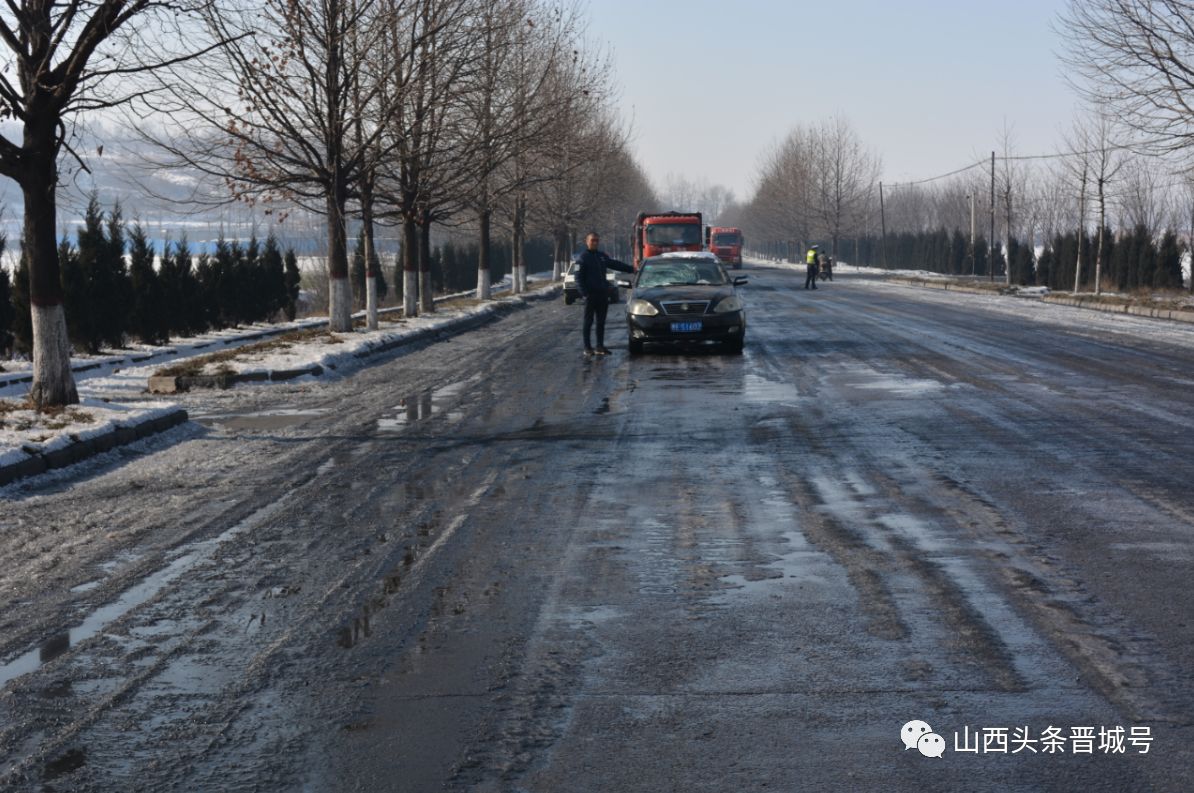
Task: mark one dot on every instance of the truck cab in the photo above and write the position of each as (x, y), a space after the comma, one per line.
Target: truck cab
(726, 242)
(666, 232)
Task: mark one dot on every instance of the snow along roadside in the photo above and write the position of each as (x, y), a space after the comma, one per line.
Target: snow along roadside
(32, 443)
(928, 280)
(291, 359)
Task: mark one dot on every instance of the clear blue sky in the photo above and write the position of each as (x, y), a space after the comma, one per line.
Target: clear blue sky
(926, 84)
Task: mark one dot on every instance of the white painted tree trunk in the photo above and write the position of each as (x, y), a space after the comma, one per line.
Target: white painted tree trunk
(520, 277)
(53, 381)
(410, 293)
(557, 270)
(484, 284)
(340, 305)
(371, 303)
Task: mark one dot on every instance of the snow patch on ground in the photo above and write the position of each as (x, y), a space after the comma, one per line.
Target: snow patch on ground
(25, 431)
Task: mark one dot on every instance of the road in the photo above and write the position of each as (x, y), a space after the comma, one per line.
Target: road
(492, 564)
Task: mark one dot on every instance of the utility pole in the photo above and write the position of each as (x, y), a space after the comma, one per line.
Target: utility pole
(991, 258)
(883, 225)
(972, 234)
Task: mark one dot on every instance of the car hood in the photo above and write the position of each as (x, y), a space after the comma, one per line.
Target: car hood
(685, 293)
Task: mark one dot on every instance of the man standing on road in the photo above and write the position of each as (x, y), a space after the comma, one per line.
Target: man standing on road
(594, 288)
(810, 261)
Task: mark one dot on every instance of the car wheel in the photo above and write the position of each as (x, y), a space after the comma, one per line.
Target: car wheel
(735, 347)
(635, 346)
(569, 299)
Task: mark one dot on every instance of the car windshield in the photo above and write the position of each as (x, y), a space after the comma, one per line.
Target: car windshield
(673, 234)
(680, 273)
(726, 239)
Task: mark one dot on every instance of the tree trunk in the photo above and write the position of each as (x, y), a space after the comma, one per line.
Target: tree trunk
(518, 263)
(426, 287)
(410, 267)
(53, 381)
(339, 289)
(484, 291)
(1081, 233)
(371, 262)
(560, 265)
(1099, 250)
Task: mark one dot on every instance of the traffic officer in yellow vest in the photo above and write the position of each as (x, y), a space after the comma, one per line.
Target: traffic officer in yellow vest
(810, 260)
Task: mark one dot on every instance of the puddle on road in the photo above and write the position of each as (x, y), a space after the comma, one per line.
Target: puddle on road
(425, 404)
(265, 420)
(134, 596)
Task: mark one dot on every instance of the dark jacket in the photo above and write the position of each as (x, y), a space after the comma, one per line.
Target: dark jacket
(590, 271)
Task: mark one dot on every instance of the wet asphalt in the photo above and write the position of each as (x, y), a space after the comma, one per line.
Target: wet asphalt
(492, 564)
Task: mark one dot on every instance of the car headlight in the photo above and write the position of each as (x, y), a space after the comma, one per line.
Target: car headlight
(728, 304)
(642, 308)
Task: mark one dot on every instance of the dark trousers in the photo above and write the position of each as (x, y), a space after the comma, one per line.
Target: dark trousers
(595, 306)
(811, 277)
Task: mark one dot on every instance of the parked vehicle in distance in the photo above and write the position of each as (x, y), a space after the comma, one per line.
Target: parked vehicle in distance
(685, 298)
(571, 293)
(664, 232)
(726, 242)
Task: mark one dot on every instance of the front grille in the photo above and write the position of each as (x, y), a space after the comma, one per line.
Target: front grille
(685, 307)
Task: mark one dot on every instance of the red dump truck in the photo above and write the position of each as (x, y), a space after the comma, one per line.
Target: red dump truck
(663, 232)
(726, 242)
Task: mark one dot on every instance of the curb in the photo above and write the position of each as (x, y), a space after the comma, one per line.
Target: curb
(1111, 308)
(1175, 315)
(81, 449)
(492, 311)
(167, 350)
(951, 287)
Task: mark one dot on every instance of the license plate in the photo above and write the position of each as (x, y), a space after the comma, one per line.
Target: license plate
(686, 327)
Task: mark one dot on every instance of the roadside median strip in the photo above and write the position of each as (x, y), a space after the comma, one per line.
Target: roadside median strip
(1175, 313)
(314, 352)
(1169, 310)
(33, 442)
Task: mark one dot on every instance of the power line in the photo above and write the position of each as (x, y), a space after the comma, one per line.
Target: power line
(936, 178)
(1019, 157)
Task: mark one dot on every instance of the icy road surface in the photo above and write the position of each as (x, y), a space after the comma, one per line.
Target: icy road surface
(491, 564)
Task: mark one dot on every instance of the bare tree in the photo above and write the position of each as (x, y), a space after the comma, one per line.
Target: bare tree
(697, 195)
(508, 108)
(1141, 199)
(1136, 57)
(1078, 167)
(1106, 159)
(1010, 185)
(844, 174)
(273, 117)
(579, 158)
(65, 59)
(428, 175)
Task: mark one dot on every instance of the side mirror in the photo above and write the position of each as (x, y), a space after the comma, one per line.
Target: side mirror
(625, 284)
(740, 280)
